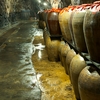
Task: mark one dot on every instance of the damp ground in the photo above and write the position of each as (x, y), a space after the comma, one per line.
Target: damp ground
(25, 71)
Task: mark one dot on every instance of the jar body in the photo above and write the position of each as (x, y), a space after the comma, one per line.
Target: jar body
(52, 46)
(91, 29)
(70, 28)
(89, 84)
(40, 14)
(45, 19)
(53, 24)
(64, 51)
(63, 21)
(71, 53)
(62, 43)
(76, 66)
(77, 25)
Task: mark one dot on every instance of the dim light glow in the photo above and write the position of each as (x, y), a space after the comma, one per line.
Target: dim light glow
(45, 4)
(81, 58)
(40, 54)
(39, 1)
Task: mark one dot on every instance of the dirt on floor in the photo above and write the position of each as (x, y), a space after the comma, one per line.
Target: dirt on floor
(53, 81)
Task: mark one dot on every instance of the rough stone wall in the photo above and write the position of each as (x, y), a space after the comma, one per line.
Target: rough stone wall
(10, 11)
(62, 3)
(13, 10)
(70, 2)
(76, 2)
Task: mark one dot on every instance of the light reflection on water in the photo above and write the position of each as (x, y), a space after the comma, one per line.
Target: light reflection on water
(39, 47)
(39, 54)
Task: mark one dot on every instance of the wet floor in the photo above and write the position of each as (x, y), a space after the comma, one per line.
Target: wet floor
(53, 81)
(25, 71)
(17, 75)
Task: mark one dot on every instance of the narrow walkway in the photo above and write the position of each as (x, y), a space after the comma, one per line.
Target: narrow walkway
(18, 79)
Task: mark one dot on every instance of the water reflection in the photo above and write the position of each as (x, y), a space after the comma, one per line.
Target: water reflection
(39, 54)
(18, 80)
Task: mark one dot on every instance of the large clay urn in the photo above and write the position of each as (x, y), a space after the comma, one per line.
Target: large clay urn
(40, 14)
(42, 23)
(89, 83)
(62, 43)
(46, 35)
(91, 27)
(77, 25)
(64, 51)
(53, 22)
(64, 15)
(76, 66)
(71, 53)
(45, 18)
(52, 48)
(47, 40)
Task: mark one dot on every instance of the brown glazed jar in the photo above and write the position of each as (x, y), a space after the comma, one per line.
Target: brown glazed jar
(64, 51)
(89, 83)
(40, 14)
(53, 22)
(76, 66)
(71, 53)
(91, 27)
(77, 25)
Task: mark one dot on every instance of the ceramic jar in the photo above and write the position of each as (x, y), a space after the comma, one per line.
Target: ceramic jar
(91, 27)
(42, 23)
(45, 36)
(45, 18)
(53, 22)
(62, 43)
(64, 51)
(77, 25)
(70, 26)
(96, 2)
(78, 2)
(71, 53)
(76, 66)
(52, 46)
(89, 83)
(64, 15)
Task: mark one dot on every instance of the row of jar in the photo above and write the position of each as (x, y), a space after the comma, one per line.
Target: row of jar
(79, 25)
(84, 76)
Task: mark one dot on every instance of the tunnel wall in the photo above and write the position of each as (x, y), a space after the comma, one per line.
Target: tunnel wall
(12, 11)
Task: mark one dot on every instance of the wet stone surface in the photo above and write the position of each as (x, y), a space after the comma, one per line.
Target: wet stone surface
(18, 79)
(25, 71)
